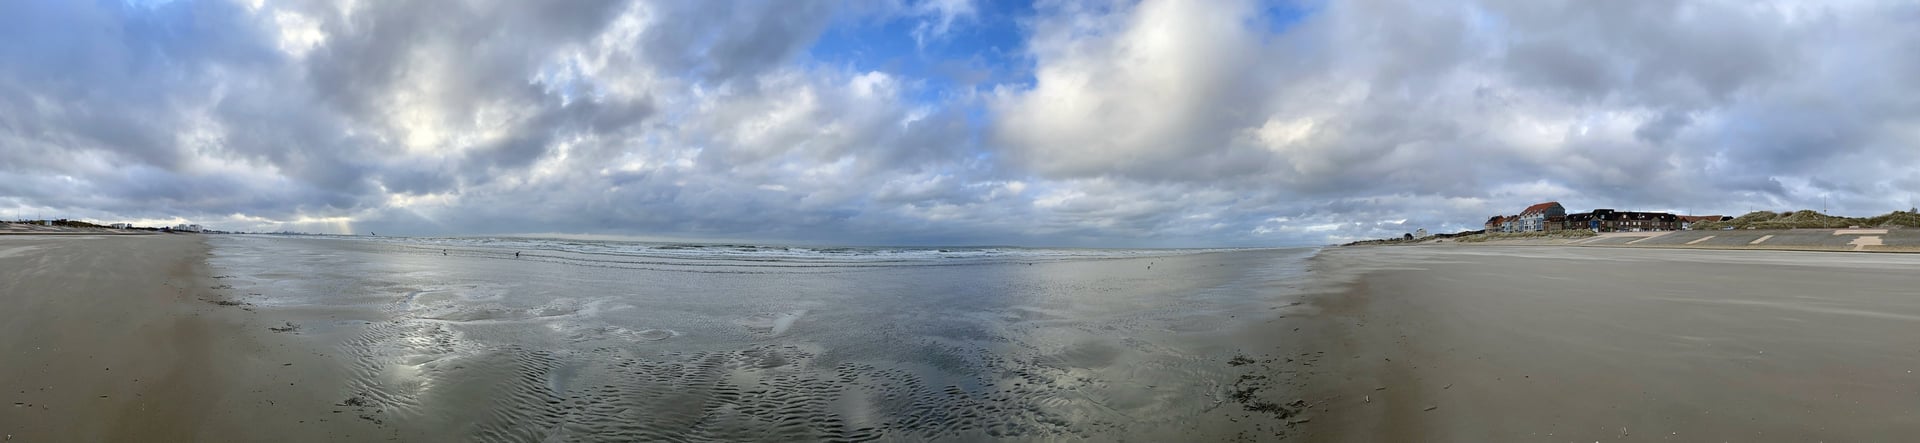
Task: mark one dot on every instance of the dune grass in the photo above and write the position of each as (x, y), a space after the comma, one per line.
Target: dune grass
(1807, 219)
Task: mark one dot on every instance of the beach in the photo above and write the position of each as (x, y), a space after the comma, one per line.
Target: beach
(1478, 343)
(120, 338)
(251, 338)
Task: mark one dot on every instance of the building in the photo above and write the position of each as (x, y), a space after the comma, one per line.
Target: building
(1549, 216)
(121, 225)
(1542, 217)
(186, 228)
(1608, 220)
(1420, 233)
(1503, 224)
(1584, 220)
(1647, 221)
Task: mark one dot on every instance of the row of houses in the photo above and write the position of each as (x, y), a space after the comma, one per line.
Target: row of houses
(1551, 216)
(183, 227)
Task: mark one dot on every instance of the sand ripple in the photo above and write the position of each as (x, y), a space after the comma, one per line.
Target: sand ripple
(426, 372)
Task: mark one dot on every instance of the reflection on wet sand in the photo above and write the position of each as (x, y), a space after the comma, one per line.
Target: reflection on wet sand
(479, 346)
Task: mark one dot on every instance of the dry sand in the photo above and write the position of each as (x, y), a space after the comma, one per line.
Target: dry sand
(1839, 240)
(1609, 344)
(119, 338)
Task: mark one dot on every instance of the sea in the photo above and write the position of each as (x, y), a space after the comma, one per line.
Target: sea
(529, 339)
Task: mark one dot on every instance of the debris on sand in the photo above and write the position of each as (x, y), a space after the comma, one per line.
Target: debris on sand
(361, 404)
(290, 327)
(1247, 388)
(1430, 407)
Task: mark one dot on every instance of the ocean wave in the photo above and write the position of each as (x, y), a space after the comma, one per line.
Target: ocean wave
(720, 256)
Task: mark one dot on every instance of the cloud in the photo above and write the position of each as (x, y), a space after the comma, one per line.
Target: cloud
(940, 15)
(1658, 105)
(1156, 90)
(1115, 123)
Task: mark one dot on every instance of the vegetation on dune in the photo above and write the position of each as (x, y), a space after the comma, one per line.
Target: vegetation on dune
(60, 222)
(75, 224)
(1908, 219)
(1806, 219)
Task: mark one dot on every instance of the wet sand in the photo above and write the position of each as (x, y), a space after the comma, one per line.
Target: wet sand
(1603, 344)
(248, 338)
(122, 338)
(470, 343)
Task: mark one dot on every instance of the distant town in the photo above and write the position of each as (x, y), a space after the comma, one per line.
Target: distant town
(1551, 219)
(66, 224)
(1551, 216)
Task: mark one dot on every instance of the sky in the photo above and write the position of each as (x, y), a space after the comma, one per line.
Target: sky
(1155, 123)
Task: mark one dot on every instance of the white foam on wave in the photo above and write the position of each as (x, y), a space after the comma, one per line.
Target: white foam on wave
(768, 254)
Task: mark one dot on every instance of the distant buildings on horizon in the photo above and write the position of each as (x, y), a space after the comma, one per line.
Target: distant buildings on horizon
(182, 227)
(1551, 216)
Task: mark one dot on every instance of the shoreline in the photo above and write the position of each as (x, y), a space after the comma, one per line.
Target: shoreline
(117, 338)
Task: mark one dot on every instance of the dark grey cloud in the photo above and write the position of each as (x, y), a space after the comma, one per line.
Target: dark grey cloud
(721, 41)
